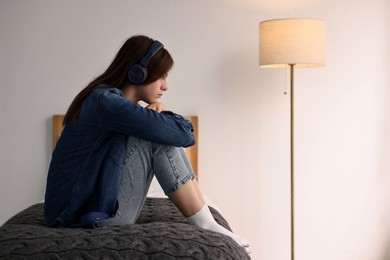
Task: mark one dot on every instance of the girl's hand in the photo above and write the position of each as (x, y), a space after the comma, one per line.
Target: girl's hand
(158, 107)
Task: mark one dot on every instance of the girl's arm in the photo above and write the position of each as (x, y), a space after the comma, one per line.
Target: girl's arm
(116, 113)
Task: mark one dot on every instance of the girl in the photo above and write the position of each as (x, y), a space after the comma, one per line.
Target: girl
(111, 147)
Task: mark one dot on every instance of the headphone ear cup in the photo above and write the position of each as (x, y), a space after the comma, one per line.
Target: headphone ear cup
(137, 74)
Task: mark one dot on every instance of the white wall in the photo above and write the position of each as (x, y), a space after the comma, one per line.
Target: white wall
(51, 49)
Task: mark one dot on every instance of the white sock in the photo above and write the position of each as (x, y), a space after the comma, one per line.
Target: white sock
(204, 219)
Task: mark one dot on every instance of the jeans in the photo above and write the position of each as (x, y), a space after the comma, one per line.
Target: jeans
(144, 160)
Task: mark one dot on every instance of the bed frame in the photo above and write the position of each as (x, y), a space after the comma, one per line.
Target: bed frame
(192, 152)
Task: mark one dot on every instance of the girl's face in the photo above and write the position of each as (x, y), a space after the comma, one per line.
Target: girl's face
(152, 92)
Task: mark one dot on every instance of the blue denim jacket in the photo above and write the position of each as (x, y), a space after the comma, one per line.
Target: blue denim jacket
(86, 166)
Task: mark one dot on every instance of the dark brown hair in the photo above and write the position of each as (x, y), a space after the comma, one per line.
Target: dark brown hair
(131, 52)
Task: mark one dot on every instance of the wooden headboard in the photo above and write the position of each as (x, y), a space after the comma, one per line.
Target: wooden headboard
(192, 152)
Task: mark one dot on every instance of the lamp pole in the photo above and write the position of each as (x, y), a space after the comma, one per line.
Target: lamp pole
(292, 155)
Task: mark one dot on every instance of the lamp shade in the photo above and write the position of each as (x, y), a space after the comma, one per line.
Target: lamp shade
(300, 42)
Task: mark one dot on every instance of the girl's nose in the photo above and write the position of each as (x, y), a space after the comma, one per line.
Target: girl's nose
(164, 86)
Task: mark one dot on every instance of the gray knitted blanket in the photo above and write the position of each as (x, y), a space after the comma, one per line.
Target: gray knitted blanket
(160, 233)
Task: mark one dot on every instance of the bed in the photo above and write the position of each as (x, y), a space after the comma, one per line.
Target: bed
(160, 232)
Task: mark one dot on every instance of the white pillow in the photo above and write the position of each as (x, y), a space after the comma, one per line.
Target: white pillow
(155, 190)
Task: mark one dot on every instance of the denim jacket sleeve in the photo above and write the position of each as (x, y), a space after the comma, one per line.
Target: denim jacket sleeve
(116, 113)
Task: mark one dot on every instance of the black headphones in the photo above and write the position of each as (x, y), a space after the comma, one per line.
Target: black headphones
(138, 73)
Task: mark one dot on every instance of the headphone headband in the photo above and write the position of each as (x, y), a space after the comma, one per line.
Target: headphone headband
(153, 49)
(138, 73)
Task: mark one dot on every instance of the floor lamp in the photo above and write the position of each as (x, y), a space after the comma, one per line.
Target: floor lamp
(292, 43)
